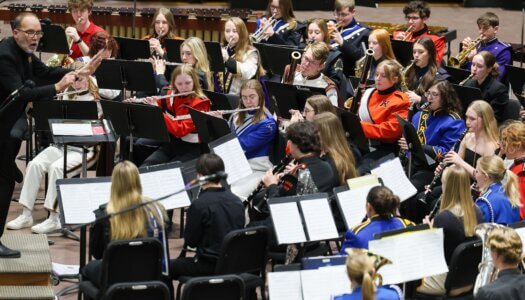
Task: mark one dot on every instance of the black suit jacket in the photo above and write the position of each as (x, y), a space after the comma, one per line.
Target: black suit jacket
(16, 67)
(509, 285)
(494, 92)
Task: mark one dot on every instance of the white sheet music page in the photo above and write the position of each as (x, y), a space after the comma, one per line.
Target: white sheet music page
(235, 162)
(82, 129)
(80, 200)
(394, 177)
(160, 183)
(414, 255)
(285, 285)
(324, 282)
(353, 204)
(287, 223)
(319, 219)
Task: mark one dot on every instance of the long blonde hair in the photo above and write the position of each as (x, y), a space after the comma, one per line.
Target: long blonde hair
(456, 194)
(126, 191)
(334, 143)
(360, 268)
(244, 44)
(190, 71)
(494, 168)
(483, 110)
(261, 112)
(92, 86)
(198, 49)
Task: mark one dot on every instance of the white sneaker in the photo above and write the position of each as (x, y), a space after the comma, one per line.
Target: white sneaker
(20, 222)
(47, 226)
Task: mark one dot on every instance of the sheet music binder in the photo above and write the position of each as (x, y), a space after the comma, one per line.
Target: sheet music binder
(54, 40)
(132, 49)
(402, 51)
(62, 109)
(466, 95)
(284, 97)
(173, 49)
(274, 207)
(215, 56)
(209, 128)
(236, 165)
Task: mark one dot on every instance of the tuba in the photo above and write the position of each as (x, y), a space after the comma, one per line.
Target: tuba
(487, 272)
(458, 60)
(377, 260)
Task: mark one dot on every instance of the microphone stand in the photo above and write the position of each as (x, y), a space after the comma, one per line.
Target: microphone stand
(192, 184)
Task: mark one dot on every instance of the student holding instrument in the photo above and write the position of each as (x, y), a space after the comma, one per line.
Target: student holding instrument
(83, 30)
(279, 26)
(162, 28)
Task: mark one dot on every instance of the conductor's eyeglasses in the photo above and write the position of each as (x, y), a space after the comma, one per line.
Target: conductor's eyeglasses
(431, 94)
(32, 33)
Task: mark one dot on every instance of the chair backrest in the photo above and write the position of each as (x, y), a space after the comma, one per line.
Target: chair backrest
(151, 290)
(243, 251)
(225, 287)
(132, 261)
(463, 267)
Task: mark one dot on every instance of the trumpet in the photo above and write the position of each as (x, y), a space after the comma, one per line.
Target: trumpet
(466, 79)
(408, 33)
(334, 28)
(258, 35)
(59, 95)
(458, 60)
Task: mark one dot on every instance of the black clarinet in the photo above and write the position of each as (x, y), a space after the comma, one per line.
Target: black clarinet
(279, 168)
(437, 175)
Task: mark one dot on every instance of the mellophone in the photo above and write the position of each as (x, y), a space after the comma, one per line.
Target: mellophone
(206, 24)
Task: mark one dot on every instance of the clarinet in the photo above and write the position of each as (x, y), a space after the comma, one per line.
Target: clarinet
(279, 168)
(437, 175)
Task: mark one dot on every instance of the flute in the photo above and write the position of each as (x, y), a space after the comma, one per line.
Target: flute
(141, 100)
(225, 112)
(69, 93)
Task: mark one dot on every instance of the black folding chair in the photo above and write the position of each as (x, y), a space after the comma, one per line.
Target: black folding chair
(224, 287)
(151, 290)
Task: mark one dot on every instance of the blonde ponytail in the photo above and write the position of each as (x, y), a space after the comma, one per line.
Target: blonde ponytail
(510, 182)
(368, 289)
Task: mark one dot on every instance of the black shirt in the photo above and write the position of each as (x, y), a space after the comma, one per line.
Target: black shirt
(495, 93)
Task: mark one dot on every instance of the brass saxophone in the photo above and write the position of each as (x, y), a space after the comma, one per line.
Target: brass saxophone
(466, 79)
(487, 271)
(404, 86)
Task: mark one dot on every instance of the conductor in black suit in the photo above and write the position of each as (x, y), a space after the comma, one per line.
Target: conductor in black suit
(506, 250)
(18, 64)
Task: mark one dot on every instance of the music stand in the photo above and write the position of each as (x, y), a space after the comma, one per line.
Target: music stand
(215, 56)
(219, 101)
(126, 75)
(354, 131)
(456, 75)
(59, 109)
(135, 121)
(274, 57)
(54, 40)
(284, 97)
(173, 50)
(209, 128)
(133, 49)
(516, 76)
(402, 51)
(414, 145)
(466, 95)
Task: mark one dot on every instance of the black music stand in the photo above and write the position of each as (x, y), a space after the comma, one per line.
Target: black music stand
(126, 75)
(173, 50)
(352, 127)
(220, 101)
(133, 49)
(59, 109)
(275, 57)
(284, 97)
(414, 145)
(516, 77)
(209, 127)
(108, 136)
(215, 56)
(402, 51)
(466, 95)
(456, 74)
(135, 121)
(54, 40)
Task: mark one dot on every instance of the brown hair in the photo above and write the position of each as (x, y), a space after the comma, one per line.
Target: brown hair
(449, 97)
(513, 134)
(286, 7)
(430, 75)
(322, 26)
(420, 7)
(488, 19)
(320, 104)
(383, 201)
(169, 19)
(190, 71)
(507, 243)
(305, 135)
(80, 4)
(320, 51)
(490, 62)
(101, 40)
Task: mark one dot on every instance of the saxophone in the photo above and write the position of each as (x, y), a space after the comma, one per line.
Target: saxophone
(487, 272)
(404, 86)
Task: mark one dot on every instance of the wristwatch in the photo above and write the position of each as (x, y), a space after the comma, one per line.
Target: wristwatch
(79, 41)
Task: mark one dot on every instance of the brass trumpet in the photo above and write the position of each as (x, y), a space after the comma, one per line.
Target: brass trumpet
(258, 35)
(458, 60)
(334, 28)
(408, 33)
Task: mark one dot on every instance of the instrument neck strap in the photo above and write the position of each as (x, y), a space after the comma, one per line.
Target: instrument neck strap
(422, 126)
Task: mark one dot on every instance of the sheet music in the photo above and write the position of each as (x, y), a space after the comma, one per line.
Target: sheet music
(394, 177)
(80, 200)
(353, 204)
(287, 223)
(414, 255)
(521, 233)
(319, 220)
(83, 129)
(163, 182)
(235, 161)
(324, 282)
(285, 285)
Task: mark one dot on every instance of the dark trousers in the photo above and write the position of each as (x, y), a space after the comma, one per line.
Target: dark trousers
(191, 266)
(175, 150)
(7, 181)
